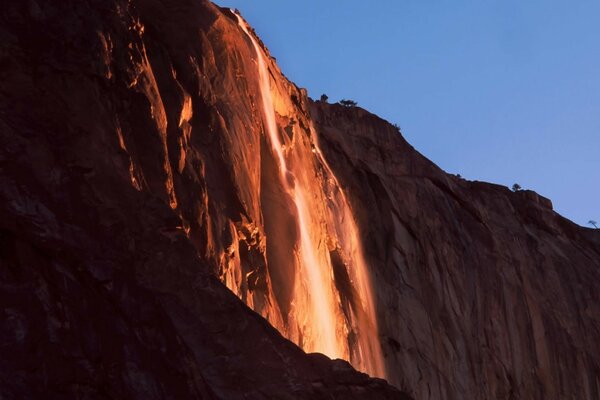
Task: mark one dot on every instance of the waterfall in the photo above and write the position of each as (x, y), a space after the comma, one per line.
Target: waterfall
(323, 325)
(370, 357)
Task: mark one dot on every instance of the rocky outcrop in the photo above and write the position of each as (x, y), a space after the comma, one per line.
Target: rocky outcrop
(128, 165)
(482, 292)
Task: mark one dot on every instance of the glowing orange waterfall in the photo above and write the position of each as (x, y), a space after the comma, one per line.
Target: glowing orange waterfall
(324, 224)
(370, 357)
(322, 310)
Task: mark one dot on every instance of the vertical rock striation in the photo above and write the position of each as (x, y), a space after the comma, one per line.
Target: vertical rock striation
(482, 293)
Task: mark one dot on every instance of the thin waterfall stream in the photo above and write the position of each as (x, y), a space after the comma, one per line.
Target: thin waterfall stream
(316, 306)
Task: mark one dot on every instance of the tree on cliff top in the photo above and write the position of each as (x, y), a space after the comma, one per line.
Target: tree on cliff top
(516, 187)
(348, 103)
(324, 98)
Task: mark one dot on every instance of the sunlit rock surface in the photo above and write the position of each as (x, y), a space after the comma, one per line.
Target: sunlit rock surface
(141, 176)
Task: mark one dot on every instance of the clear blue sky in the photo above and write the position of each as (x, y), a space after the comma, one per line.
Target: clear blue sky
(496, 90)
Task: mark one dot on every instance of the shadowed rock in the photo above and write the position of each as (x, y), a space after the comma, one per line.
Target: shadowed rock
(482, 292)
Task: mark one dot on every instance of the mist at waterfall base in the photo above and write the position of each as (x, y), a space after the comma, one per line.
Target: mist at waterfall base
(505, 92)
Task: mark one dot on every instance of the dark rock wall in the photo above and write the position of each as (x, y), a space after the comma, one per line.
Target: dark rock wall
(482, 292)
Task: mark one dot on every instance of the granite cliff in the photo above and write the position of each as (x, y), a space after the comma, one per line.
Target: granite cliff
(130, 160)
(173, 208)
(482, 292)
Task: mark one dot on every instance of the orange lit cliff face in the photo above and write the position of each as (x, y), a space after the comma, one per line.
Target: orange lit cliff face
(318, 280)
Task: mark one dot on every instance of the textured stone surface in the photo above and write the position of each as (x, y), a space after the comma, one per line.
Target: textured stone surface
(134, 172)
(482, 292)
(123, 128)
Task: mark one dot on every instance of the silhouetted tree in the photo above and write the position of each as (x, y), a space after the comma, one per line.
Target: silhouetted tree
(348, 103)
(593, 223)
(324, 98)
(516, 187)
(397, 127)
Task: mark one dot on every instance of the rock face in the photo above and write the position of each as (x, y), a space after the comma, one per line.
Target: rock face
(129, 165)
(482, 292)
(153, 155)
